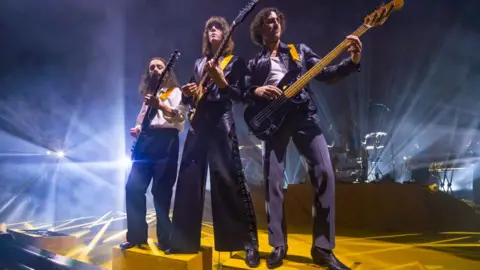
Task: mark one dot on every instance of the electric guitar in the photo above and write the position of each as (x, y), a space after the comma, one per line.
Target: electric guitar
(264, 118)
(150, 114)
(205, 81)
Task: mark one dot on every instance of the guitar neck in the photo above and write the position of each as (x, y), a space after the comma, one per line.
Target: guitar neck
(298, 86)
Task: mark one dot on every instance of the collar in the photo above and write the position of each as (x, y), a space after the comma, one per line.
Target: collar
(282, 48)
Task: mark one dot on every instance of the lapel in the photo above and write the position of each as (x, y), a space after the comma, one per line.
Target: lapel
(200, 67)
(284, 52)
(284, 55)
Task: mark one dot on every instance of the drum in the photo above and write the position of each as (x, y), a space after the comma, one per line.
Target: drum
(375, 140)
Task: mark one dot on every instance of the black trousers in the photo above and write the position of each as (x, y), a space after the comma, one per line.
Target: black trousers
(158, 163)
(310, 142)
(234, 220)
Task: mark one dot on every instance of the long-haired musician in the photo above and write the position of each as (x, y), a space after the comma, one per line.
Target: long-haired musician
(212, 143)
(158, 156)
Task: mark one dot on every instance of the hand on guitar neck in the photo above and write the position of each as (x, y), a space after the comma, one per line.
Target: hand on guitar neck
(355, 48)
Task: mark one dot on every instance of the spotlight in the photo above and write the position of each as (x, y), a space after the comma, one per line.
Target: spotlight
(126, 161)
(60, 154)
(49, 153)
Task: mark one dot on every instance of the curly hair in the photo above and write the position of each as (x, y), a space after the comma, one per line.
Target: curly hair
(225, 27)
(259, 20)
(169, 82)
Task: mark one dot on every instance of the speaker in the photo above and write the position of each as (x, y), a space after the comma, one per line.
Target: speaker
(14, 255)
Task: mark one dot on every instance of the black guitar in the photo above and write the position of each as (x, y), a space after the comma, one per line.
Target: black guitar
(150, 114)
(264, 117)
(205, 81)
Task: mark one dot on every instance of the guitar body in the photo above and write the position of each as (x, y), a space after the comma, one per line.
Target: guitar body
(264, 122)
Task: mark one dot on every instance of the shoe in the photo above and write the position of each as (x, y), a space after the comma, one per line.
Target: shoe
(252, 258)
(275, 259)
(161, 246)
(128, 245)
(327, 259)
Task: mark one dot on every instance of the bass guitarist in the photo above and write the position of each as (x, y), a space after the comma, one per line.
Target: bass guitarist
(266, 70)
(157, 156)
(212, 143)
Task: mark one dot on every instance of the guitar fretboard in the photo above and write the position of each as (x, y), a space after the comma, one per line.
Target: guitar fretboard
(297, 86)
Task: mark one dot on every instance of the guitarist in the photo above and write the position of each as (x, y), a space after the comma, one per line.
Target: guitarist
(158, 156)
(265, 71)
(212, 143)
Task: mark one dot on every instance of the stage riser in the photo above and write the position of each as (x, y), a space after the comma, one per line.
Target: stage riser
(376, 208)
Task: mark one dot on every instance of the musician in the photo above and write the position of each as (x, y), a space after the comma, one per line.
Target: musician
(266, 69)
(158, 156)
(212, 142)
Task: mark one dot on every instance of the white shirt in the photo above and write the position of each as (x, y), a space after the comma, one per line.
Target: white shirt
(162, 121)
(277, 71)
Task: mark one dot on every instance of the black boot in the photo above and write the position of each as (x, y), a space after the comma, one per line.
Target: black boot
(161, 246)
(327, 259)
(128, 245)
(275, 259)
(252, 258)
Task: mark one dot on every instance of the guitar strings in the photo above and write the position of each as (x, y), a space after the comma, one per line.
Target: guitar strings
(278, 102)
(267, 111)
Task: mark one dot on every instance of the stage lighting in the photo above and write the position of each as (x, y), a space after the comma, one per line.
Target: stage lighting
(60, 154)
(126, 161)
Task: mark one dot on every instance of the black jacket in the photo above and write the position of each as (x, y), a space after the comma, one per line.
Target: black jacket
(217, 103)
(259, 69)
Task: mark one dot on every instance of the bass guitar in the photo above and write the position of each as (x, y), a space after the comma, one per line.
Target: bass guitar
(264, 118)
(205, 81)
(150, 114)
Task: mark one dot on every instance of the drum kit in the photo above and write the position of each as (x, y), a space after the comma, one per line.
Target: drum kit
(362, 163)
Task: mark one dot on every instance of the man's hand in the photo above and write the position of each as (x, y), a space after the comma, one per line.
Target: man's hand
(269, 92)
(355, 48)
(189, 89)
(152, 101)
(135, 132)
(216, 74)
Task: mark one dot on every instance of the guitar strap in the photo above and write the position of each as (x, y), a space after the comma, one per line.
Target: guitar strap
(226, 61)
(294, 53)
(167, 93)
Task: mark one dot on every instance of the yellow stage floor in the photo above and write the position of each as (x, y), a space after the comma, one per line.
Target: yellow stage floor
(454, 250)
(449, 250)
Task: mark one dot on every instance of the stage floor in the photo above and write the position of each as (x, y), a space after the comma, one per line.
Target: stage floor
(449, 250)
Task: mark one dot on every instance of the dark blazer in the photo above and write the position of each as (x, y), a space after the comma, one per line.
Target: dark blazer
(259, 69)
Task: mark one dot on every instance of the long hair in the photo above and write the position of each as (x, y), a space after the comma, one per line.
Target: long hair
(258, 22)
(169, 81)
(225, 27)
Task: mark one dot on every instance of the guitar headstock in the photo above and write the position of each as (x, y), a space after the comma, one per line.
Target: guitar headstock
(172, 60)
(245, 11)
(380, 15)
